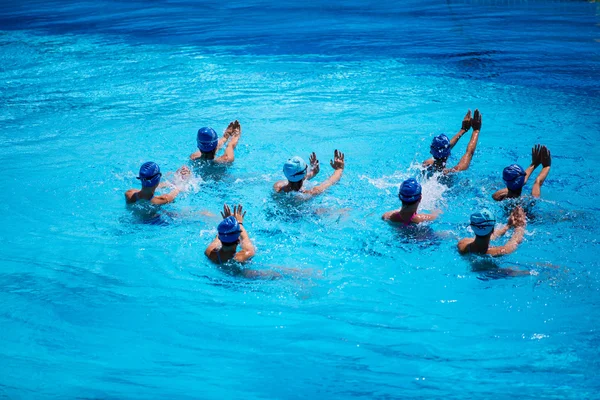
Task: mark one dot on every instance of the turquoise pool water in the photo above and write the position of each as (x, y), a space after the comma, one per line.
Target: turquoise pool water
(94, 304)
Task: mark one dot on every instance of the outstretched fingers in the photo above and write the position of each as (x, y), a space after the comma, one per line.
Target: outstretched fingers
(466, 122)
(226, 211)
(476, 121)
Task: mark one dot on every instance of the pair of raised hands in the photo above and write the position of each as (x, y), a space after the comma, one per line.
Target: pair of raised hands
(540, 155)
(338, 162)
(474, 122)
(233, 129)
(517, 218)
(238, 213)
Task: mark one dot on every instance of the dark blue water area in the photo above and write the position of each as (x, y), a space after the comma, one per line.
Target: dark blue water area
(553, 44)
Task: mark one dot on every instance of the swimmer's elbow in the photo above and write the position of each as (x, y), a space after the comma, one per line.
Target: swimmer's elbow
(225, 159)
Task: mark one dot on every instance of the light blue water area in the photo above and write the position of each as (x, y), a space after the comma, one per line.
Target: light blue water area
(94, 304)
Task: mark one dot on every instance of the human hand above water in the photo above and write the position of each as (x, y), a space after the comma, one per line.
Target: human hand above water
(237, 213)
(314, 164)
(466, 122)
(338, 160)
(476, 120)
(545, 157)
(517, 218)
(536, 155)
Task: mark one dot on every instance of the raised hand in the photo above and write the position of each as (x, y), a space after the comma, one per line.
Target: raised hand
(476, 120)
(233, 129)
(226, 211)
(338, 160)
(517, 218)
(184, 173)
(237, 128)
(229, 130)
(536, 155)
(545, 157)
(314, 164)
(238, 213)
(466, 122)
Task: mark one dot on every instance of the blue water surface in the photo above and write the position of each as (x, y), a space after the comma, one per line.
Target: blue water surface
(96, 304)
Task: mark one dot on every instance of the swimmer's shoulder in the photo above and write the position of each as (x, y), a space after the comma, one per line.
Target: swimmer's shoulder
(130, 196)
(278, 186)
(195, 156)
(463, 245)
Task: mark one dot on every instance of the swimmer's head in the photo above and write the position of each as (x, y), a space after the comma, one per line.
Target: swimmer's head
(440, 147)
(410, 191)
(483, 222)
(514, 177)
(207, 139)
(229, 231)
(149, 174)
(295, 169)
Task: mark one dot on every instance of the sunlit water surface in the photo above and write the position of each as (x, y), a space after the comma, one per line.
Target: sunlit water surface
(95, 304)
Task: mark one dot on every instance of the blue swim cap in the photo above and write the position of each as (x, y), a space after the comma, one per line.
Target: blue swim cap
(410, 191)
(295, 169)
(440, 146)
(229, 230)
(483, 222)
(149, 174)
(514, 177)
(207, 139)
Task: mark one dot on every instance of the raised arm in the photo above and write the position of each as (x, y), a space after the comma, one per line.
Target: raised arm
(314, 166)
(535, 161)
(229, 155)
(466, 125)
(546, 160)
(518, 221)
(226, 135)
(248, 250)
(499, 232)
(166, 198)
(465, 161)
(337, 164)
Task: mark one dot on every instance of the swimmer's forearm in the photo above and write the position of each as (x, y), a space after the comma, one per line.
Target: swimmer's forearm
(456, 137)
(334, 178)
(246, 243)
(515, 240)
(528, 172)
(221, 142)
(172, 194)
(465, 161)
(500, 232)
(536, 191)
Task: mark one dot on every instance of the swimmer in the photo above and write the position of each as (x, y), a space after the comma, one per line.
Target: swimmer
(483, 224)
(223, 250)
(515, 177)
(150, 178)
(209, 143)
(296, 171)
(441, 146)
(410, 195)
